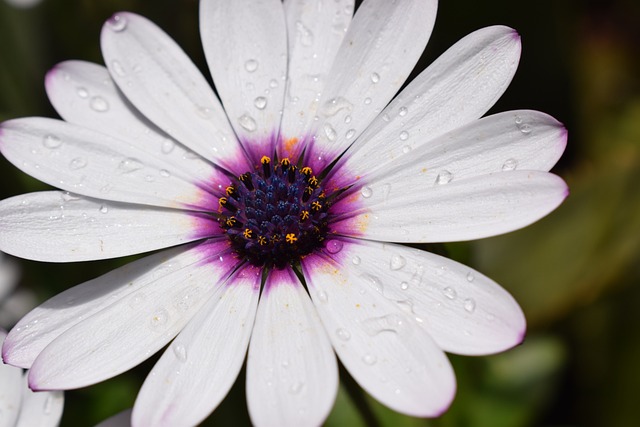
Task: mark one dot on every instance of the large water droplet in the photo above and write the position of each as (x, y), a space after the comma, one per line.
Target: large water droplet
(330, 132)
(260, 102)
(469, 305)
(389, 323)
(444, 177)
(449, 292)
(525, 128)
(404, 135)
(82, 92)
(165, 173)
(104, 209)
(180, 352)
(334, 105)
(403, 111)
(397, 262)
(77, 163)
(404, 286)
(129, 165)
(167, 146)
(343, 334)
(117, 23)
(247, 122)
(251, 65)
(51, 141)
(374, 281)
(375, 77)
(366, 192)
(305, 34)
(99, 104)
(334, 246)
(356, 260)
(510, 164)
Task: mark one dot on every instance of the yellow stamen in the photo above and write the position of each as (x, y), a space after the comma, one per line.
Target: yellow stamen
(291, 238)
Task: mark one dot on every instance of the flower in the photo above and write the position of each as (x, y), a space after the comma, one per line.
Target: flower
(278, 208)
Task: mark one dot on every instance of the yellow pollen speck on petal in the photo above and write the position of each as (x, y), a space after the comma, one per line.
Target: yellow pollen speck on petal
(291, 238)
(290, 143)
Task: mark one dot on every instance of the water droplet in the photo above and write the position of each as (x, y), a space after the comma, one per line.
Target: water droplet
(375, 77)
(406, 149)
(390, 323)
(305, 34)
(403, 111)
(117, 23)
(386, 117)
(334, 246)
(525, 128)
(159, 318)
(203, 112)
(347, 119)
(82, 92)
(404, 135)
(356, 260)
(273, 83)
(51, 141)
(251, 65)
(48, 405)
(129, 165)
(469, 305)
(404, 286)
(322, 296)
(180, 352)
(117, 68)
(449, 292)
(470, 277)
(510, 164)
(165, 173)
(149, 178)
(167, 146)
(330, 132)
(374, 281)
(343, 334)
(77, 163)
(247, 122)
(260, 102)
(367, 101)
(296, 387)
(444, 177)
(369, 359)
(366, 192)
(397, 262)
(350, 133)
(334, 105)
(99, 104)
(104, 209)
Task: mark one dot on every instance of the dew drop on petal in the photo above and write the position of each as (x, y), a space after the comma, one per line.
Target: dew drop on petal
(51, 141)
(251, 65)
(304, 33)
(159, 318)
(129, 165)
(322, 296)
(470, 277)
(444, 177)
(99, 104)
(404, 286)
(449, 292)
(375, 77)
(343, 334)
(350, 133)
(165, 173)
(403, 111)
(330, 132)
(77, 163)
(469, 305)
(104, 209)
(117, 68)
(82, 92)
(247, 122)
(356, 260)
(397, 262)
(367, 101)
(296, 387)
(369, 359)
(510, 164)
(404, 135)
(347, 119)
(260, 102)
(525, 128)
(117, 23)
(366, 192)
(334, 246)
(180, 352)
(406, 149)
(167, 146)
(335, 105)
(386, 117)
(273, 83)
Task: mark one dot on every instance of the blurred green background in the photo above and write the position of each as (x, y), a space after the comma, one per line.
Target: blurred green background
(575, 273)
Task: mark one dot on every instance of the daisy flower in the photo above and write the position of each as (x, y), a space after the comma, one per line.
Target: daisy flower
(278, 202)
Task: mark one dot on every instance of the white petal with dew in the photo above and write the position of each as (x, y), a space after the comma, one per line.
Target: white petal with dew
(292, 374)
(382, 347)
(316, 29)
(161, 81)
(93, 164)
(245, 43)
(459, 87)
(197, 370)
(130, 329)
(40, 408)
(419, 208)
(381, 47)
(55, 226)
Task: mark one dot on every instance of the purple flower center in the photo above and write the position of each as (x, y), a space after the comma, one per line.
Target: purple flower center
(276, 214)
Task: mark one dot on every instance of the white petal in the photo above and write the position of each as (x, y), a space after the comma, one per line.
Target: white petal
(42, 408)
(162, 82)
(11, 390)
(524, 139)
(197, 370)
(121, 419)
(58, 314)
(60, 227)
(463, 311)
(245, 43)
(292, 374)
(459, 87)
(412, 208)
(83, 93)
(132, 328)
(316, 29)
(93, 164)
(382, 347)
(381, 47)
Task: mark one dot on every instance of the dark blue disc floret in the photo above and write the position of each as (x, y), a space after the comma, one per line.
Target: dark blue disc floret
(276, 214)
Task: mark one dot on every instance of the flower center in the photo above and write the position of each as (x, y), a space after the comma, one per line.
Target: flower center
(275, 215)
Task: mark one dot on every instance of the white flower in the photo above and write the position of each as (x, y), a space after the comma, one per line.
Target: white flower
(304, 175)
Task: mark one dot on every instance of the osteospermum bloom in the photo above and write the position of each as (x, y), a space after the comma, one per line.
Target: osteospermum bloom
(278, 207)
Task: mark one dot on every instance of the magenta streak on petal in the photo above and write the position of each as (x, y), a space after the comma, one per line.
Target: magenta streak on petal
(254, 150)
(284, 277)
